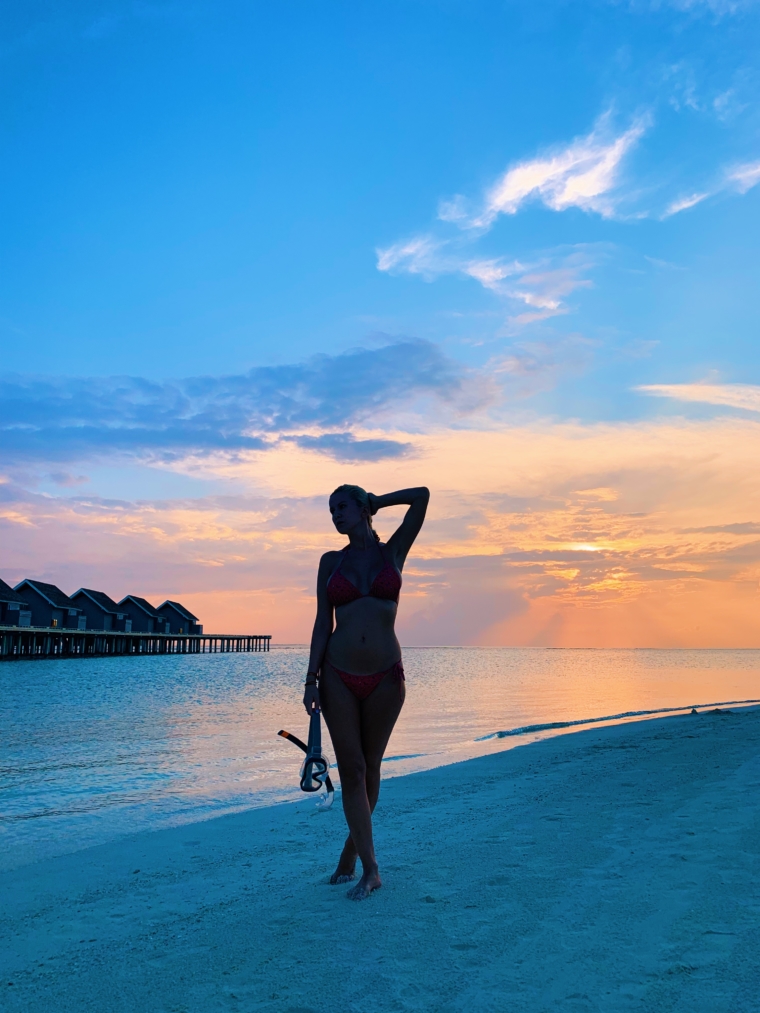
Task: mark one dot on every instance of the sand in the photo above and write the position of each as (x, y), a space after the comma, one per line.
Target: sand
(610, 869)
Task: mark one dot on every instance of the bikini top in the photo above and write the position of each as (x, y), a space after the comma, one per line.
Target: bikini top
(386, 585)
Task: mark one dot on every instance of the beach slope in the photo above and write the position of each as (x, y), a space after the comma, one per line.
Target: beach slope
(612, 869)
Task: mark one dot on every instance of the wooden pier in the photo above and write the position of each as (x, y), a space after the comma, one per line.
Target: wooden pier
(38, 642)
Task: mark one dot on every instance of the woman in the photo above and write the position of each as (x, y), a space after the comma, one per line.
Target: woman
(355, 673)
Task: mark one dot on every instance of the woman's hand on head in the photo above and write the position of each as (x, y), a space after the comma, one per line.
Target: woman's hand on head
(311, 698)
(373, 507)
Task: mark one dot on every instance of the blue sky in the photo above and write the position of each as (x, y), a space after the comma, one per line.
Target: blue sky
(232, 229)
(201, 188)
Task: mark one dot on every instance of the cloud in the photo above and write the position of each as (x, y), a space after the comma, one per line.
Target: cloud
(540, 285)
(585, 174)
(492, 273)
(419, 255)
(634, 534)
(58, 419)
(345, 447)
(684, 203)
(740, 179)
(742, 528)
(744, 177)
(544, 291)
(733, 395)
(64, 478)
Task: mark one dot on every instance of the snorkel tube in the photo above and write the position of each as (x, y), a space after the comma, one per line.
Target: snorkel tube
(314, 770)
(315, 766)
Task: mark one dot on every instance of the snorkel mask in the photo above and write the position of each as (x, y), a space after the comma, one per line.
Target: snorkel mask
(315, 768)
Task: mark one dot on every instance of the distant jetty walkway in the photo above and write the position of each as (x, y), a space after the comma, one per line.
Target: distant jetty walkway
(43, 642)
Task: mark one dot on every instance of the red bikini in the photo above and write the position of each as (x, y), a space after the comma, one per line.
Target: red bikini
(363, 686)
(386, 586)
(341, 591)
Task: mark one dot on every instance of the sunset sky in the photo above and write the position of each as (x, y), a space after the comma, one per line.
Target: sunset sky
(507, 250)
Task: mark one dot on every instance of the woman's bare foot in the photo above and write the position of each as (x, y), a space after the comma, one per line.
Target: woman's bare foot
(339, 877)
(346, 865)
(369, 882)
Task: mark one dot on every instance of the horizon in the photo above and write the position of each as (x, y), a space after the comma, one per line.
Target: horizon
(251, 254)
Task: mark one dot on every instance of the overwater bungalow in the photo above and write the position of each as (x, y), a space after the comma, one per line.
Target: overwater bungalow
(181, 619)
(14, 610)
(145, 617)
(101, 611)
(38, 620)
(50, 607)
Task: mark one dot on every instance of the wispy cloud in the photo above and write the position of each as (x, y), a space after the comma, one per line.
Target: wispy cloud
(684, 203)
(585, 174)
(733, 395)
(540, 286)
(744, 177)
(58, 419)
(493, 273)
(739, 179)
(544, 291)
(419, 255)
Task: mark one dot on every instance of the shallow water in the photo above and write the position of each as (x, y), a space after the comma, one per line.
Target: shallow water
(92, 749)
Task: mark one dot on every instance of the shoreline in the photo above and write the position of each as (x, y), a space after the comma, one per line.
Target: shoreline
(607, 868)
(284, 794)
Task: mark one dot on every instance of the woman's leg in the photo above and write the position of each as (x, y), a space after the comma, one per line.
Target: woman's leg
(379, 713)
(342, 711)
(362, 731)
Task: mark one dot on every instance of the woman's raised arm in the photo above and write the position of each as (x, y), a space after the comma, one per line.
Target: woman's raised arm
(403, 537)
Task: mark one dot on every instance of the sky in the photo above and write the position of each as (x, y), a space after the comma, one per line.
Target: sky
(509, 251)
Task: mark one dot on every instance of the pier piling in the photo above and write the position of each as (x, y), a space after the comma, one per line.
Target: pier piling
(29, 642)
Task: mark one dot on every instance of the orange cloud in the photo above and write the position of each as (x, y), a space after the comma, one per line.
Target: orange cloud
(640, 534)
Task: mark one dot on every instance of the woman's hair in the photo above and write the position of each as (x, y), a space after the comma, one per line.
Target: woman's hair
(357, 493)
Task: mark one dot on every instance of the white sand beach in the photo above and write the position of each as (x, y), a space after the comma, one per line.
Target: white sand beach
(610, 869)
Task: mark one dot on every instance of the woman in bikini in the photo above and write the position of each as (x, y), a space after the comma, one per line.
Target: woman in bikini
(355, 673)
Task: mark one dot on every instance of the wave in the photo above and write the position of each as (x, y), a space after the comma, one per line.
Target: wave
(406, 756)
(549, 725)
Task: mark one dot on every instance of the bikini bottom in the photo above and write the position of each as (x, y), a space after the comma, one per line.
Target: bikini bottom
(364, 685)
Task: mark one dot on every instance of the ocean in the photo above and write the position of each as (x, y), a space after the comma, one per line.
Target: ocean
(95, 749)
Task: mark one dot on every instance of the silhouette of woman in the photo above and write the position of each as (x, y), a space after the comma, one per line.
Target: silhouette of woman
(355, 672)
